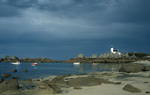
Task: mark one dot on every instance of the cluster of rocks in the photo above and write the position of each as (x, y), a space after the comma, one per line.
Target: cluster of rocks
(79, 82)
(13, 86)
(103, 60)
(6, 75)
(15, 58)
(134, 68)
(10, 85)
(54, 86)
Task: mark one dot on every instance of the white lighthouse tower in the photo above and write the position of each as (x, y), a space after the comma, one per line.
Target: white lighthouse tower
(112, 49)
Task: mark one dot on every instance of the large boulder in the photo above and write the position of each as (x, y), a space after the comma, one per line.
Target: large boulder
(15, 77)
(47, 88)
(131, 89)
(87, 81)
(59, 80)
(14, 71)
(131, 68)
(1, 80)
(26, 84)
(9, 85)
(5, 75)
(25, 70)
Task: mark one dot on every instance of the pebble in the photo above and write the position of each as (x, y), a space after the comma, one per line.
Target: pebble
(147, 92)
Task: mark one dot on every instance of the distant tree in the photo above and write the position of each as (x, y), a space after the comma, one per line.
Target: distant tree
(130, 54)
(139, 55)
(36, 58)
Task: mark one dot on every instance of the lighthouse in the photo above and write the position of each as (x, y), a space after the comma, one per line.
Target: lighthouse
(114, 51)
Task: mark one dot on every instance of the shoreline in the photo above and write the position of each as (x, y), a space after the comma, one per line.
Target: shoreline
(146, 62)
(104, 82)
(81, 60)
(140, 80)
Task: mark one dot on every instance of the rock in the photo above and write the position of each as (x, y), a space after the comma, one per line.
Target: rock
(25, 70)
(20, 85)
(15, 77)
(78, 88)
(118, 83)
(9, 85)
(131, 89)
(54, 87)
(147, 92)
(131, 68)
(29, 81)
(36, 80)
(14, 71)
(26, 84)
(1, 80)
(146, 68)
(59, 80)
(6, 75)
(87, 81)
(47, 88)
(32, 86)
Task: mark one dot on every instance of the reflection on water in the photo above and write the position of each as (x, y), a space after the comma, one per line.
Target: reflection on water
(16, 67)
(110, 67)
(35, 67)
(49, 69)
(96, 67)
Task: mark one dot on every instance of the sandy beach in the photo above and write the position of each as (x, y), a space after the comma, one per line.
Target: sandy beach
(141, 81)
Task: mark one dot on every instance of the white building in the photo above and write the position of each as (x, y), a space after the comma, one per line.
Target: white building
(114, 51)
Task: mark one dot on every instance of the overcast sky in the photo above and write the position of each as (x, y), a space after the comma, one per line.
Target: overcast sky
(61, 29)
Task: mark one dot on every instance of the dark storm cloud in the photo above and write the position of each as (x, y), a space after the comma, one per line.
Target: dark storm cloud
(7, 11)
(96, 15)
(132, 12)
(110, 10)
(9, 8)
(18, 3)
(73, 26)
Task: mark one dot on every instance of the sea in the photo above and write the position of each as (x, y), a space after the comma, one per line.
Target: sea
(43, 70)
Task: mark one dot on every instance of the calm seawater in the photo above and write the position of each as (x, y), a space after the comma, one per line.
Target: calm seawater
(51, 69)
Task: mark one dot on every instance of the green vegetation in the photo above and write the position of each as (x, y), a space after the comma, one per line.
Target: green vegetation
(139, 55)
